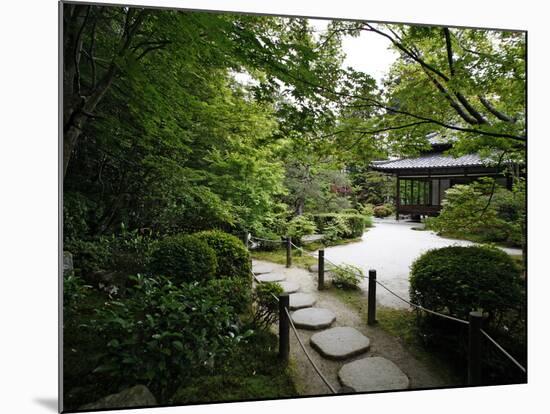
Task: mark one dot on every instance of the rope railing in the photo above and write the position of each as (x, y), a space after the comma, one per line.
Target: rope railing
(317, 370)
(411, 304)
(308, 356)
(501, 349)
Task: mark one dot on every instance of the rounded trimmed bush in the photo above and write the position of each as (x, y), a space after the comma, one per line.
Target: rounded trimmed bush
(458, 279)
(184, 258)
(382, 211)
(232, 256)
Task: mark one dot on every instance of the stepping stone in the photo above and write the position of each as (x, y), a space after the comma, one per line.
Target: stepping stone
(340, 343)
(271, 277)
(260, 268)
(289, 287)
(301, 300)
(313, 318)
(373, 374)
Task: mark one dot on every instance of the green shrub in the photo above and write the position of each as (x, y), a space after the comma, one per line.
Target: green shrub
(232, 256)
(184, 258)
(266, 305)
(340, 226)
(346, 276)
(161, 334)
(367, 210)
(300, 226)
(456, 280)
(460, 279)
(356, 224)
(383, 210)
(234, 291)
(349, 211)
(483, 212)
(90, 256)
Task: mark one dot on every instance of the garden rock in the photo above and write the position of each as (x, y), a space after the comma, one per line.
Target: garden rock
(260, 268)
(313, 318)
(271, 277)
(340, 342)
(301, 300)
(289, 287)
(68, 266)
(373, 374)
(137, 396)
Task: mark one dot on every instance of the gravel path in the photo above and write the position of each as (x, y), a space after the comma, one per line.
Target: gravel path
(382, 344)
(391, 247)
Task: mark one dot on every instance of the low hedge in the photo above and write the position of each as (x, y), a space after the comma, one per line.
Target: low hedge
(232, 256)
(456, 280)
(383, 210)
(184, 258)
(460, 279)
(346, 226)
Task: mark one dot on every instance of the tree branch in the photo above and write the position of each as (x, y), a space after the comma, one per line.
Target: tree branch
(500, 115)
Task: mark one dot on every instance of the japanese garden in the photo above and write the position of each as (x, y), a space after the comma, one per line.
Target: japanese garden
(247, 215)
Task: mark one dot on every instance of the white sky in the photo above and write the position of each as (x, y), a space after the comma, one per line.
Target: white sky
(368, 52)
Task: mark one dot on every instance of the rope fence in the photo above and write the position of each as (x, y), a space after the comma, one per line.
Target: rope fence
(475, 322)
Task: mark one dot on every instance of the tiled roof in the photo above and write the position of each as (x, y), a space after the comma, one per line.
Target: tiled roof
(433, 160)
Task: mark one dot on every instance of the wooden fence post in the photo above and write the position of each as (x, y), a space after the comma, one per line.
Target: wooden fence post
(371, 310)
(474, 348)
(321, 270)
(288, 251)
(284, 327)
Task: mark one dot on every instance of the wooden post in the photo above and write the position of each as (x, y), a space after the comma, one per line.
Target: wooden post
(284, 327)
(371, 310)
(474, 348)
(288, 251)
(321, 270)
(397, 198)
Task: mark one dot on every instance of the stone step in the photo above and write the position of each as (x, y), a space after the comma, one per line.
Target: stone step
(340, 342)
(372, 374)
(271, 277)
(260, 268)
(289, 287)
(301, 300)
(313, 318)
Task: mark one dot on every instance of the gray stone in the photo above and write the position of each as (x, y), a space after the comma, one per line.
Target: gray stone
(260, 268)
(313, 318)
(373, 374)
(271, 277)
(301, 300)
(289, 287)
(340, 342)
(68, 266)
(137, 396)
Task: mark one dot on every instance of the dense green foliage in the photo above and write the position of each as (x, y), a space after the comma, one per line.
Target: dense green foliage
(459, 279)
(383, 210)
(161, 332)
(267, 305)
(184, 258)
(456, 280)
(484, 211)
(346, 276)
(242, 377)
(232, 256)
(341, 226)
(300, 226)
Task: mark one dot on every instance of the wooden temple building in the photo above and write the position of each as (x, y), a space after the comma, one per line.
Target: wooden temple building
(422, 181)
